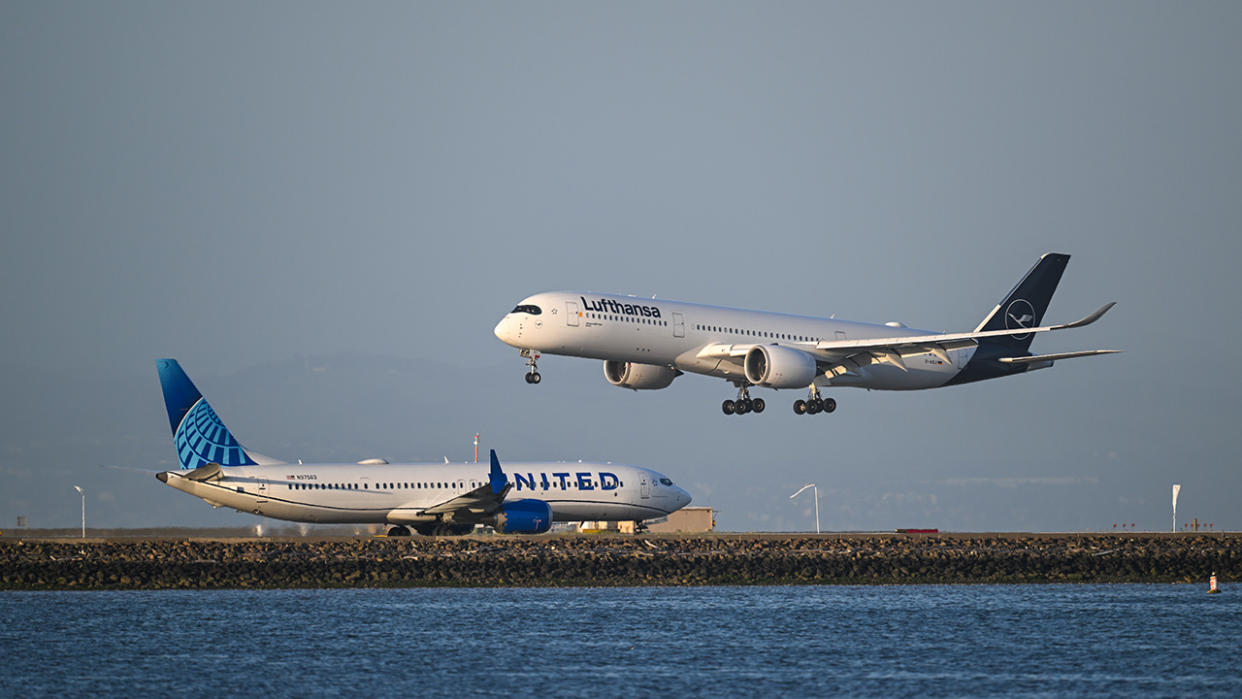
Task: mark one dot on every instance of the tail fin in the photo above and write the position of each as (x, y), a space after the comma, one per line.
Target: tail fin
(201, 438)
(1024, 306)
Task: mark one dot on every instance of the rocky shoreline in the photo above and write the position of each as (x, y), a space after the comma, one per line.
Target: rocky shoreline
(614, 560)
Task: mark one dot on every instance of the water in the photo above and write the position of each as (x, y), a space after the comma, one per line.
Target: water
(1054, 640)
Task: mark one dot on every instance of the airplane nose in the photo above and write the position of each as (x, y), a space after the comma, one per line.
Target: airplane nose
(502, 329)
(683, 497)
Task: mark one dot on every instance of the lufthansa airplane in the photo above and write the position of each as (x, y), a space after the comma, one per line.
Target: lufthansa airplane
(429, 498)
(646, 343)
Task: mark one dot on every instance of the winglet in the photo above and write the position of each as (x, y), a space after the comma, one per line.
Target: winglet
(1089, 319)
(497, 477)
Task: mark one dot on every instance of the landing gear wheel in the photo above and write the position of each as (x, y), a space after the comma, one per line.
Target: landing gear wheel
(799, 407)
(813, 406)
(740, 407)
(758, 405)
(830, 404)
(532, 364)
(727, 407)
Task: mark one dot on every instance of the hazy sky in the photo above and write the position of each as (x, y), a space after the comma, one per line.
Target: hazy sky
(245, 185)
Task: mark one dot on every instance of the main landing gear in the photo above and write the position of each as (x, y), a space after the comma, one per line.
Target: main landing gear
(532, 375)
(814, 404)
(744, 403)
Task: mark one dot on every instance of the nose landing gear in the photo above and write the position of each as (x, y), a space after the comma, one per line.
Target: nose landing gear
(814, 404)
(744, 403)
(532, 374)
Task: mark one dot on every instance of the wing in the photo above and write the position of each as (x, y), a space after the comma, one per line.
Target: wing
(480, 501)
(843, 356)
(839, 347)
(483, 500)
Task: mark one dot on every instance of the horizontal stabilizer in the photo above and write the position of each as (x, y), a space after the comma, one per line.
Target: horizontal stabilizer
(205, 472)
(1054, 357)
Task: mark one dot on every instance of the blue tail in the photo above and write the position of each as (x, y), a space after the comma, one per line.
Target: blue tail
(1024, 306)
(201, 438)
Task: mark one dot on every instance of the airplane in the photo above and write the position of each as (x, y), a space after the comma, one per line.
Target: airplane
(431, 499)
(646, 343)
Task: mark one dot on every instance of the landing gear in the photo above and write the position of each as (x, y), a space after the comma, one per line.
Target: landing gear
(435, 529)
(744, 403)
(532, 374)
(814, 404)
(398, 531)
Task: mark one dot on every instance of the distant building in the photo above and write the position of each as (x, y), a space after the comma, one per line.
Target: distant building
(686, 520)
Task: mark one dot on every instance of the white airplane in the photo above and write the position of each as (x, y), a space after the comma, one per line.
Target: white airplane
(429, 498)
(646, 343)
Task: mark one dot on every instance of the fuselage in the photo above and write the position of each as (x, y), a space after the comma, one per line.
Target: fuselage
(673, 333)
(400, 493)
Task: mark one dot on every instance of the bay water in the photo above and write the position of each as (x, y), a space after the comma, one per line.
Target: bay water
(1016, 640)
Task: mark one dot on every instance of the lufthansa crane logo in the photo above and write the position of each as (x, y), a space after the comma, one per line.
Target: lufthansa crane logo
(1020, 314)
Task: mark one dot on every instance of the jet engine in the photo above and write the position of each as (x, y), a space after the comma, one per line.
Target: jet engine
(523, 517)
(775, 366)
(636, 376)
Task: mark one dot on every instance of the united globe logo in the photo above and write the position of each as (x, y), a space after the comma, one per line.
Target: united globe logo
(202, 439)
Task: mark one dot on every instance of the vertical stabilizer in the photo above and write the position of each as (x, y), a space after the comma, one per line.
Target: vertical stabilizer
(1024, 307)
(200, 437)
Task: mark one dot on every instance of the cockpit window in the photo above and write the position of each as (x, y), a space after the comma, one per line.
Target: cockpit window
(528, 308)
(666, 481)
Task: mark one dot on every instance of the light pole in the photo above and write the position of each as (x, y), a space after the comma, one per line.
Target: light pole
(815, 490)
(1177, 488)
(83, 494)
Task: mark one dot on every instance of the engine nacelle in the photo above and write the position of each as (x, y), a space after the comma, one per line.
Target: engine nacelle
(523, 517)
(636, 376)
(775, 366)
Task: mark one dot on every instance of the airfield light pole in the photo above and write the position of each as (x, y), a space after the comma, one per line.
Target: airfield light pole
(83, 494)
(815, 490)
(476, 447)
(1177, 488)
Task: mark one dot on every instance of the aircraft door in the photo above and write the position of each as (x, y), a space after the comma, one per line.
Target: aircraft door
(644, 487)
(571, 313)
(262, 491)
(679, 325)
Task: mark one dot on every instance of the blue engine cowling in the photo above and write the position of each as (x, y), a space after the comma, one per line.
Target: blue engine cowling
(524, 517)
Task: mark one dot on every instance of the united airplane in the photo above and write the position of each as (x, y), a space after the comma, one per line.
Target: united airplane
(428, 498)
(646, 343)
